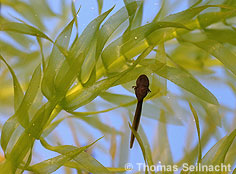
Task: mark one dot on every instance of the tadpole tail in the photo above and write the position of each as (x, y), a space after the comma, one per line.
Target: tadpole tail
(136, 121)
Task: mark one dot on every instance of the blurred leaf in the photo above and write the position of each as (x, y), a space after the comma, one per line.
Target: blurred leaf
(42, 8)
(162, 151)
(23, 40)
(79, 114)
(198, 132)
(96, 123)
(28, 12)
(124, 143)
(216, 49)
(51, 165)
(113, 146)
(11, 51)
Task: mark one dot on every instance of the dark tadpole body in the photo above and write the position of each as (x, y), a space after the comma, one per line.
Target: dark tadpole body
(141, 90)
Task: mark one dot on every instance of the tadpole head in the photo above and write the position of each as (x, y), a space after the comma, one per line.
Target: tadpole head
(141, 89)
(142, 81)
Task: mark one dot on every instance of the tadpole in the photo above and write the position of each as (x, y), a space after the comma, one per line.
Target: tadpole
(141, 90)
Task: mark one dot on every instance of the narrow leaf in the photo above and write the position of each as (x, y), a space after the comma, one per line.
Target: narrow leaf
(198, 132)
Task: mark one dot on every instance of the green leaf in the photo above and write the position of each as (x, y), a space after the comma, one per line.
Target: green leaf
(40, 119)
(105, 33)
(79, 114)
(80, 97)
(8, 129)
(188, 14)
(18, 92)
(52, 164)
(140, 142)
(82, 44)
(135, 42)
(83, 160)
(42, 54)
(100, 5)
(212, 112)
(130, 11)
(89, 62)
(147, 147)
(160, 12)
(144, 147)
(182, 79)
(137, 21)
(207, 19)
(77, 54)
(20, 150)
(56, 58)
(21, 115)
(22, 28)
(11, 124)
(75, 14)
(29, 97)
(117, 99)
(216, 155)
(185, 15)
(221, 35)
(111, 24)
(198, 132)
